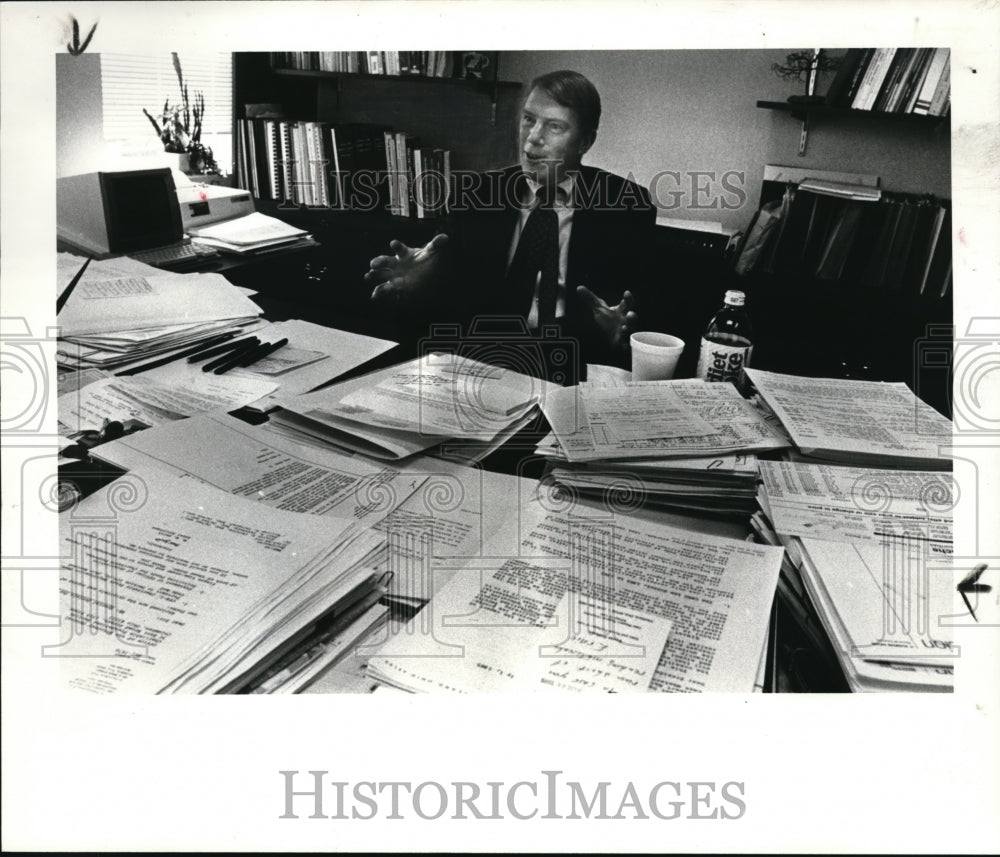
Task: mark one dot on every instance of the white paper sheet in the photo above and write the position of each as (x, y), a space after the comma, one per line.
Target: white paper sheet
(597, 650)
(444, 395)
(733, 425)
(857, 504)
(140, 397)
(716, 592)
(126, 303)
(187, 587)
(251, 462)
(863, 421)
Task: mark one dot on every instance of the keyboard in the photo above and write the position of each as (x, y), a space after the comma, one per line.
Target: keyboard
(179, 255)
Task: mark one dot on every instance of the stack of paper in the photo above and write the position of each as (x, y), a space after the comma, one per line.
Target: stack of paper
(250, 234)
(681, 444)
(426, 507)
(724, 484)
(410, 408)
(588, 602)
(120, 314)
(150, 402)
(200, 591)
(857, 422)
(868, 552)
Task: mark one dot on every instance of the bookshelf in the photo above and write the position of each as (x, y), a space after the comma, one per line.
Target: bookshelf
(798, 109)
(889, 300)
(473, 118)
(901, 84)
(807, 112)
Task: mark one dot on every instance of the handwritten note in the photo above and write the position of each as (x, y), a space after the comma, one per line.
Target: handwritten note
(605, 648)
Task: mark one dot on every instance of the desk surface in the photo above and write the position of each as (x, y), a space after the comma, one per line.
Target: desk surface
(796, 663)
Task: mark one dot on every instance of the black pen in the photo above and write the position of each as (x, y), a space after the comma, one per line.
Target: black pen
(205, 353)
(171, 358)
(61, 300)
(262, 352)
(250, 357)
(232, 357)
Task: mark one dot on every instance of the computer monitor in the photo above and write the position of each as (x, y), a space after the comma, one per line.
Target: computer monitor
(105, 213)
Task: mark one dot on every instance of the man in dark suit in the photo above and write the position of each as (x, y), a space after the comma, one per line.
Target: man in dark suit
(548, 240)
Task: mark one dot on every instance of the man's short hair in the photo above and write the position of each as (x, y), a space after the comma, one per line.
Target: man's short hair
(571, 89)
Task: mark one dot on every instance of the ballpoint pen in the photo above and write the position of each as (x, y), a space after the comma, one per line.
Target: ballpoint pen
(215, 340)
(61, 300)
(231, 358)
(247, 358)
(263, 351)
(206, 352)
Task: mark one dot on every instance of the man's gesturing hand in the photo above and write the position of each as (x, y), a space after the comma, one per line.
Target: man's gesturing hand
(617, 322)
(407, 273)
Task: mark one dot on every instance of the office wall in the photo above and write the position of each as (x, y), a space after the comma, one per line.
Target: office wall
(79, 113)
(665, 112)
(695, 111)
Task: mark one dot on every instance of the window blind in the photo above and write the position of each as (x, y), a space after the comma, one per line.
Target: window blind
(131, 82)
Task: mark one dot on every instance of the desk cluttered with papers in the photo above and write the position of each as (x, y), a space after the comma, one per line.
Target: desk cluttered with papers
(284, 507)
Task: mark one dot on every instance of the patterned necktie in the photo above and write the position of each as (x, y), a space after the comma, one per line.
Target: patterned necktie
(538, 252)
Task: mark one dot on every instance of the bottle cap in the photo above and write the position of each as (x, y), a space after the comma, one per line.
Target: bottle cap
(735, 298)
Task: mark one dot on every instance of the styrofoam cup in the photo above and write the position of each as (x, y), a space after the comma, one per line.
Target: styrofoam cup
(655, 355)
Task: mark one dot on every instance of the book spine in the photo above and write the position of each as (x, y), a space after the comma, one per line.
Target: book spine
(310, 162)
(929, 86)
(403, 174)
(242, 175)
(942, 92)
(915, 80)
(300, 160)
(891, 80)
(336, 177)
(870, 86)
(419, 183)
(390, 161)
(857, 78)
(252, 159)
(899, 86)
(287, 188)
(271, 154)
(841, 82)
(320, 166)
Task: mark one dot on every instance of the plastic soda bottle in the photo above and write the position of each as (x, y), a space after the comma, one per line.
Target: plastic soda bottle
(727, 343)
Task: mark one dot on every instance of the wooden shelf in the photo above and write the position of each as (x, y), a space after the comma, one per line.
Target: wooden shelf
(819, 109)
(805, 111)
(395, 78)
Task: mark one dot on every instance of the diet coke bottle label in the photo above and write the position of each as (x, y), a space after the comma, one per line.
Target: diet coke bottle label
(718, 362)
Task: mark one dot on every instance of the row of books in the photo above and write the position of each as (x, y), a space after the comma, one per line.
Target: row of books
(894, 80)
(350, 166)
(895, 243)
(419, 177)
(422, 63)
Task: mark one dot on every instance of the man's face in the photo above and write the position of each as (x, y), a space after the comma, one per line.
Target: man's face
(551, 140)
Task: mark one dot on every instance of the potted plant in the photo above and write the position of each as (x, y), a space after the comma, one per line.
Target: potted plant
(179, 127)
